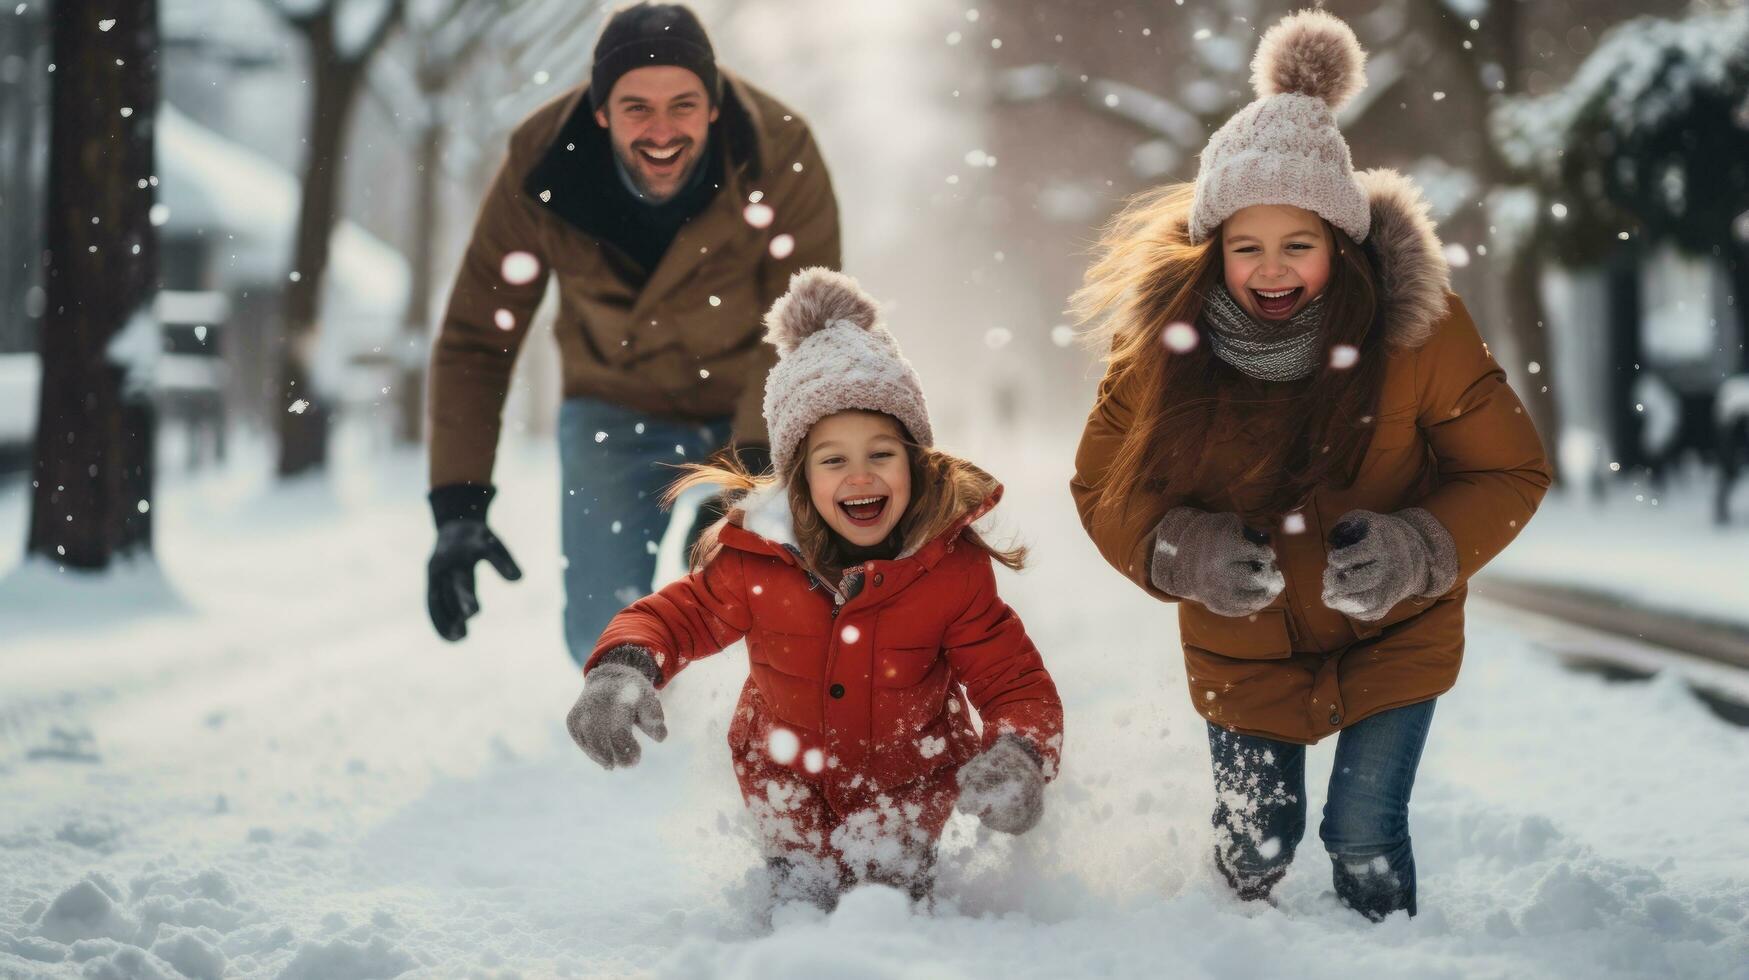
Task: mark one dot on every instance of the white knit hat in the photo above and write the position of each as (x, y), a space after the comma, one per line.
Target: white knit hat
(1284, 148)
(833, 356)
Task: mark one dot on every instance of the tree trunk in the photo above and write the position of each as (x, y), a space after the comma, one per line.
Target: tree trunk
(1623, 330)
(93, 466)
(1737, 267)
(1521, 289)
(1521, 286)
(303, 413)
(427, 226)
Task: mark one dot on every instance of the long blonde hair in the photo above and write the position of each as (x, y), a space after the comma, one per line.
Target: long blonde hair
(944, 488)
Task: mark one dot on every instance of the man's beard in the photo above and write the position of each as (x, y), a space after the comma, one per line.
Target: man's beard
(633, 163)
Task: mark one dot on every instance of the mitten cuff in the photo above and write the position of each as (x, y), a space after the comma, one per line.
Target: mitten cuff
(1442, 560)
(1169, 537)
(635, 657)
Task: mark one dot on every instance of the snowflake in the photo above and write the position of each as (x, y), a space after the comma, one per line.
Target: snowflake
(519, 268)
(1179, 338)
(759, 215)
(783, 745)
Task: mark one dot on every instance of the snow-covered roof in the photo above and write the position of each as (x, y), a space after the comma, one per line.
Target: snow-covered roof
(248, 207)
(1645, 69)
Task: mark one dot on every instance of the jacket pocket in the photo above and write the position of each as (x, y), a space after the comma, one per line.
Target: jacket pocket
(1402, 612)
(798, 656)
(1261, 636)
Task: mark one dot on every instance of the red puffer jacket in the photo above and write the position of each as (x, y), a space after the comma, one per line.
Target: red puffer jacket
(875, 690)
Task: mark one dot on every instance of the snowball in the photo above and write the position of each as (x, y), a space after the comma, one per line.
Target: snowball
(850, 634)
(1062, 335)
(716, 301)
(782, 744)
(813, 760)
(160, 214)
(1294, 523)
(600, 437)
(1344, 356)
(298, 407)
(759, 590)
(505, 319)
(782, 246)
(106, 24)
(997, 338)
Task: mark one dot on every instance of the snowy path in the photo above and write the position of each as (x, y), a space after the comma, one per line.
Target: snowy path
(293, 777)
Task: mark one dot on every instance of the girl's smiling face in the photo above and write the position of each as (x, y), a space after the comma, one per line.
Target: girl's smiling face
(1275, 259)
(859, 474)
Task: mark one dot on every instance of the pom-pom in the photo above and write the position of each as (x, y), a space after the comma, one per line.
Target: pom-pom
(817, 297)
(1310, 53)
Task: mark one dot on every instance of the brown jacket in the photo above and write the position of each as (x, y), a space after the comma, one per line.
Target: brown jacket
(1451, 437)
(682, 340)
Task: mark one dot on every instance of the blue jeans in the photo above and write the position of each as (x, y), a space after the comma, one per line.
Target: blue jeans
(611, 465)
(1260, 809)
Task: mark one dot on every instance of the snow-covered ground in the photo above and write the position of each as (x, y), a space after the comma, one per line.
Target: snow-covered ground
(260, 761)
(1654, 547)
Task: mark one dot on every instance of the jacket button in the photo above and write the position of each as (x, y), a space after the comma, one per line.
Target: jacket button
(837, 690)
(1335, 718)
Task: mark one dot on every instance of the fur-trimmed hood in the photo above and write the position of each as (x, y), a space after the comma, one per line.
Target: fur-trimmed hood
(1414, 278)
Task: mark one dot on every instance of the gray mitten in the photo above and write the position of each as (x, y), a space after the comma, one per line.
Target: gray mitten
(1215, 560)
(1003, 786)
(616, 697)
(1378, 560)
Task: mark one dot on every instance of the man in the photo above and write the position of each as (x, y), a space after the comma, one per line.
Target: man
(672, 201)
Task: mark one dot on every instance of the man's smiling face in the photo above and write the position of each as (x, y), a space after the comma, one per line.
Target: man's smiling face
(658, 119)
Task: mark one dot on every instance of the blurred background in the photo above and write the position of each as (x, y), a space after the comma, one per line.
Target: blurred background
(286, 187)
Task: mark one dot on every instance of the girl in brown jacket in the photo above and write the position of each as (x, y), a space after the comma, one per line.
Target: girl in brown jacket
(1302, 439)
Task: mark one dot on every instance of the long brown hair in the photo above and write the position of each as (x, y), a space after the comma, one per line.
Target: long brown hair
(944, 488)
(1147, 275)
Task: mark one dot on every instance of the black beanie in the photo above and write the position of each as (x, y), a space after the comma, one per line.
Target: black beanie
(652, 34)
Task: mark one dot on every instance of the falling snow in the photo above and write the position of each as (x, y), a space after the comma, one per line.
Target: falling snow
(519, 268)
(1180, 338)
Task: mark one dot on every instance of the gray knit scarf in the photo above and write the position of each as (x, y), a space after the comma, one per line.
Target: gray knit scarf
(1265, 351)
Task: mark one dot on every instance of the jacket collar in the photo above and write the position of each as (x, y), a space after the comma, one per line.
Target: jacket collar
(579, 155)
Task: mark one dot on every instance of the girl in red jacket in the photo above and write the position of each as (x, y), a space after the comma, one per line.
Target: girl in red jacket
(873, 628)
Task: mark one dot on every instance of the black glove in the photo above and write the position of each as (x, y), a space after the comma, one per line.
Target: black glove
(462, 539)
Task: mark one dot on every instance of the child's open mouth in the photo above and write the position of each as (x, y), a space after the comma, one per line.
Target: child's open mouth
(1276, 303)
(863, 511)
